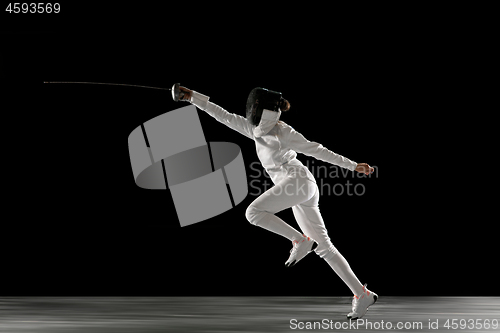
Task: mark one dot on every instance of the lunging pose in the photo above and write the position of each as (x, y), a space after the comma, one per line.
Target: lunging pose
(277, 145)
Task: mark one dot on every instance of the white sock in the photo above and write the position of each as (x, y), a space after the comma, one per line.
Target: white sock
(273, 223)
(344, 271)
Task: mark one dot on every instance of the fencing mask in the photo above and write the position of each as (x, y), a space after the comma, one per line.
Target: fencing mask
(260, 99)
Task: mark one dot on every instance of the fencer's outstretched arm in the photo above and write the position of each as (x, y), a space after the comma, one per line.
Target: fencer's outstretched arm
(299, 143)
(233, 121)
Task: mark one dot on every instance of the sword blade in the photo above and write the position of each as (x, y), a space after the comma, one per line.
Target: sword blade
(108, 84)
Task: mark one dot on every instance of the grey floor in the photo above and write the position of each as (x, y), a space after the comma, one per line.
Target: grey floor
(244, 314)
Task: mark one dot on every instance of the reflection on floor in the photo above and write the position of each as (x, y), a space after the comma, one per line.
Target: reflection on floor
(244, 314)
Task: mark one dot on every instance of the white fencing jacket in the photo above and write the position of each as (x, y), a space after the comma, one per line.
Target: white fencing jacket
(276, 142)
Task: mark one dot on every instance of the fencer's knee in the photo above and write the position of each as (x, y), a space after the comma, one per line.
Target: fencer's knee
(252, 214)
(326, 250)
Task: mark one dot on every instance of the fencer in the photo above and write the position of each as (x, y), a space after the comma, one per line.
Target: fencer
(277, 145)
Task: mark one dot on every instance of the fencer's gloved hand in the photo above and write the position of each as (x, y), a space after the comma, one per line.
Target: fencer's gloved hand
(364, 168)
(181, 93)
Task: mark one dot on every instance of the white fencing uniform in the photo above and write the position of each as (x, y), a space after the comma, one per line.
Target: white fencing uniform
(277, 145)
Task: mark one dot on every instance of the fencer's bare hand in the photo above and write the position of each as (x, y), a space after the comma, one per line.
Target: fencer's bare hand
(186, 93)
(364, 168)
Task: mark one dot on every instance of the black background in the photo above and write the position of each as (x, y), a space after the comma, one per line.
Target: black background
(373, 88)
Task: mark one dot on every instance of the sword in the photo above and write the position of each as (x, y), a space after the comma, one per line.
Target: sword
(177, 93)
(109, 84)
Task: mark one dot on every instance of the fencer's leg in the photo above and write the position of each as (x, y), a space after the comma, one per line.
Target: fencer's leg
(311, 223)
(285, 194)
(338, 263)
(256, 216)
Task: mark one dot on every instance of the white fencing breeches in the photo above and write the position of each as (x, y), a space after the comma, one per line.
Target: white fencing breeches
(302, 195)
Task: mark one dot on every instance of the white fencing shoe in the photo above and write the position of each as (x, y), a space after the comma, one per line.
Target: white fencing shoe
(301, 247)
(360, 304)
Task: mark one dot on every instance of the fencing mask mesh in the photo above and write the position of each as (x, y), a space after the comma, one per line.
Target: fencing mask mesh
(260, 99)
